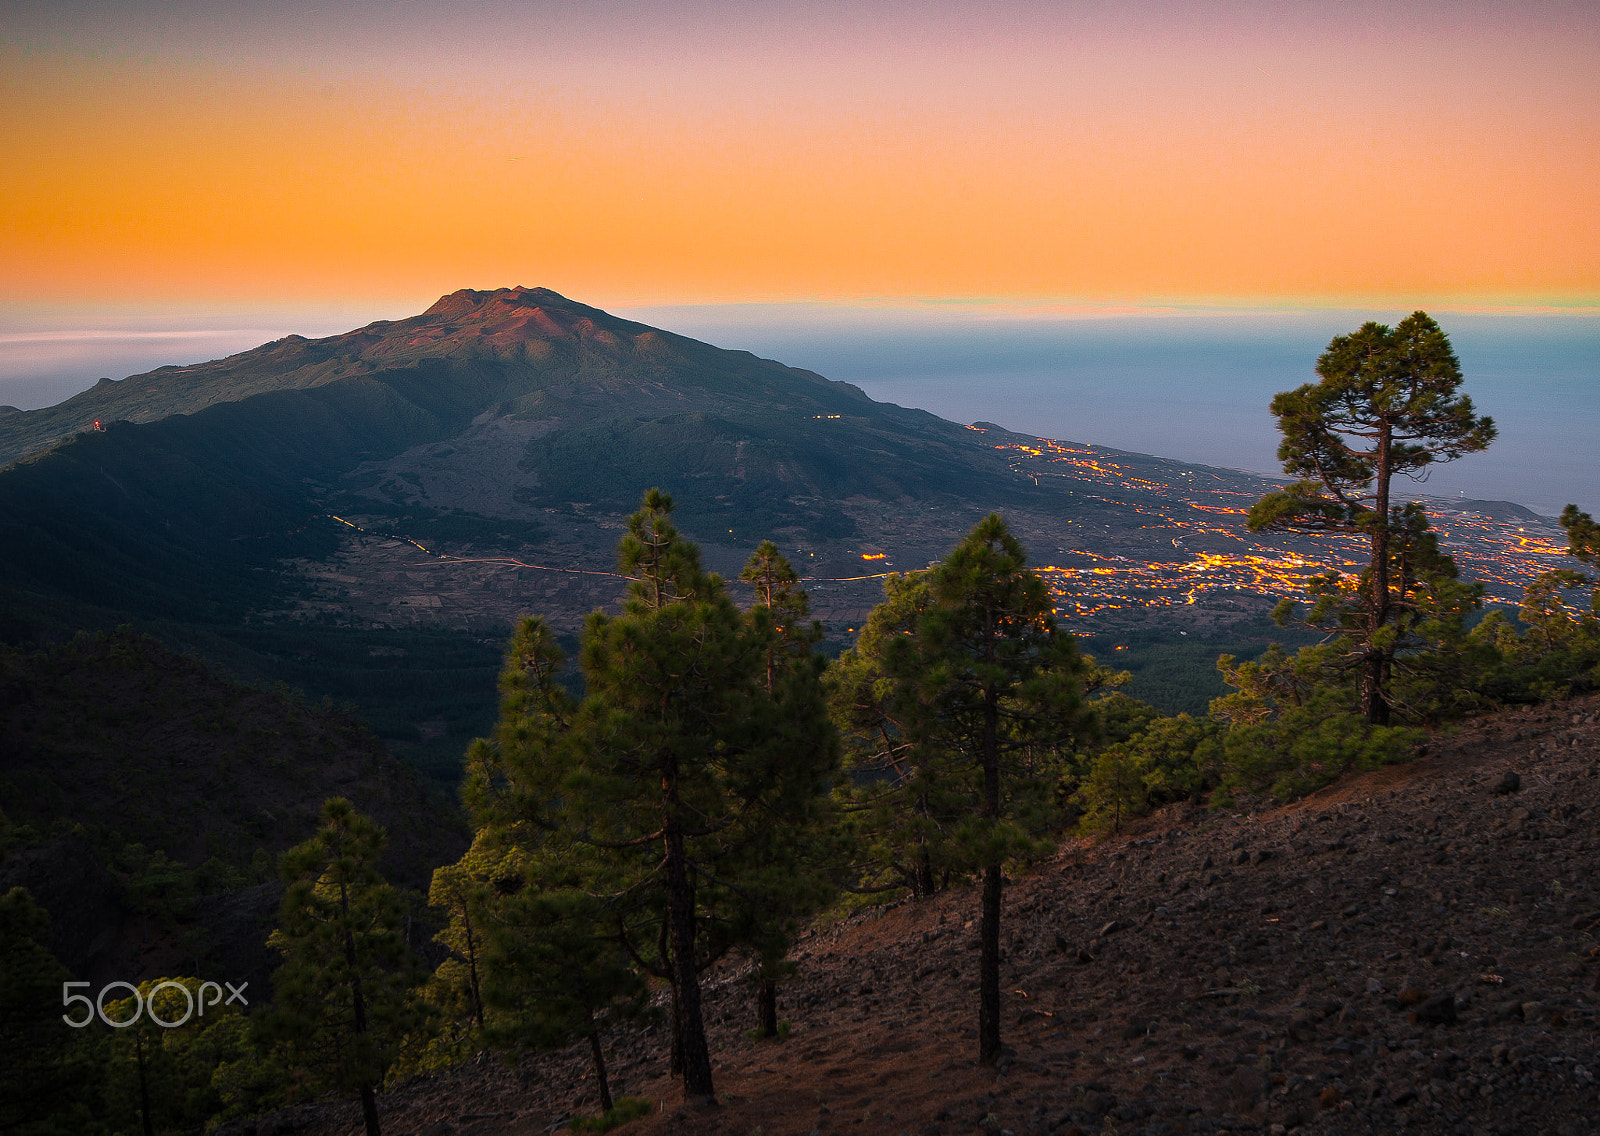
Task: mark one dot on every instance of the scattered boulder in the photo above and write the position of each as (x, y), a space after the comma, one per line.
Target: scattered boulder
(1246, 1084)
(1439, 1010)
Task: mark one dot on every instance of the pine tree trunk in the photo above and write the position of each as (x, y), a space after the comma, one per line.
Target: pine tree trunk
(1374, 702)
(472, 969)
(989, 970)
(767, 1008)
(989, 930)
(599, 1065)
(691, 1031)
(358, 1005)
(369, 1110)
(664, 953)
(144, 1086)
(926, 884)
(675, 1062)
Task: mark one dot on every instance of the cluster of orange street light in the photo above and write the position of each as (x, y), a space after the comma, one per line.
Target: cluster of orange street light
(1505, 555)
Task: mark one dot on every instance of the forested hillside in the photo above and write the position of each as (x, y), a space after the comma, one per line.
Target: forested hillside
(146, 801)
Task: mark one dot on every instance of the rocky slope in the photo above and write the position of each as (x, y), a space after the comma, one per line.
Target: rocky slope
(1410, 948)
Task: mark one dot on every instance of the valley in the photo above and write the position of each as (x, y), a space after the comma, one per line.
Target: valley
(1131, 539)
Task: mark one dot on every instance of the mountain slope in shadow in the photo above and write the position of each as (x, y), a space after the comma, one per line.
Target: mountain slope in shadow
(501, 405)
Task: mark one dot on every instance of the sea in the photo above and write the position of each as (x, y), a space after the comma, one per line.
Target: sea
(1193, 385)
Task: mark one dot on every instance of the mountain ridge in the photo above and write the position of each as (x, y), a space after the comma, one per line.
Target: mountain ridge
(197, 525)
(508, 324)
(605, 408)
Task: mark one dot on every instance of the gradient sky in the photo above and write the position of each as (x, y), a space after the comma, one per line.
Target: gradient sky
(653, 153)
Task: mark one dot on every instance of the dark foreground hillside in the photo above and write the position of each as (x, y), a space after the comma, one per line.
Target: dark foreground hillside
(1411, 949)
(146, 801)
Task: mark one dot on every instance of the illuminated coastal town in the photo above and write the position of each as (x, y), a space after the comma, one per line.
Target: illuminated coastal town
(1118, 536)
(1198, 513)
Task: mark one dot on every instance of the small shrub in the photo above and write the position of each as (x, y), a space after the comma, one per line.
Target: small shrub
(626, 1109)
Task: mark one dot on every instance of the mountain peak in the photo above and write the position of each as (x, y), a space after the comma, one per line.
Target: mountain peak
(498, 321)
(473, 301)
(534, 332)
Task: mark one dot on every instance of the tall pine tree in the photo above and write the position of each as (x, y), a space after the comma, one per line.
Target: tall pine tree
(789, 878)
(986, 694)
(698, 747)
(899, 802)
(344, 996)
(1388, 403)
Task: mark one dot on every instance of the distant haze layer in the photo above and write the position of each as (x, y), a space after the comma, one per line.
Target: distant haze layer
(1192, 385)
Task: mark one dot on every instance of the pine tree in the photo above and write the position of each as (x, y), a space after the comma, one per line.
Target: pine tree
(677, 773)
(555, 970)
(1559, 653)
(344, 998)
(1387, 404)
(1583, 535)
(166, 1074)
(786, 878)
(899, 802)
(462, 892)
(988, 695)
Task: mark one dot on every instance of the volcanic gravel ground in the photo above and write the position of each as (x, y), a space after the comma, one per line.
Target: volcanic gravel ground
(1409, 948)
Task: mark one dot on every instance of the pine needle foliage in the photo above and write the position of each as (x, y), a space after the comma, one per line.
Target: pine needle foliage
(661, 811)
(344, 1001)
(49, 1071)
(976, 697)
(1388, 404)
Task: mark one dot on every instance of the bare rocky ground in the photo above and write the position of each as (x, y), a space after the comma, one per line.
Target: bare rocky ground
(1412, 948)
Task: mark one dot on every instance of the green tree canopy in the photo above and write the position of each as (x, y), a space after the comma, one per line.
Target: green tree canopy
(166, 1075)
(344, 999)
(978, 698)
(1583, 535)
(1559, 652)
(47, 1074)
(701, 744)
(900, 806)
(556, 972)
(1388, 403)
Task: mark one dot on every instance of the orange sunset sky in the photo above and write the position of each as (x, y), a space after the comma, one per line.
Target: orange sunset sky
(639, 153)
